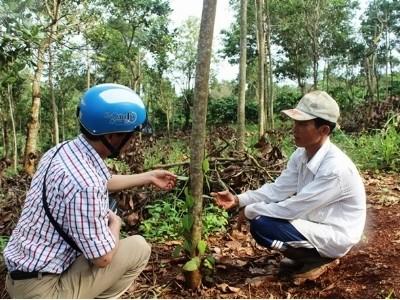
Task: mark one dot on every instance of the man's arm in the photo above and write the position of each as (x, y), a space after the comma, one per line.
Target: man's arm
(114, 225)
(283, 187)
(160, 178)
(320, 192)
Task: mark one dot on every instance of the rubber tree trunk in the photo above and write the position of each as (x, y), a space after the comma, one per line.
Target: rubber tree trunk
(269, 88)
(241, 115)
(30, 157)
(14, 133)
(261, 64)
(204, 49)
(4, 132)
(33, 123)
(54, 107)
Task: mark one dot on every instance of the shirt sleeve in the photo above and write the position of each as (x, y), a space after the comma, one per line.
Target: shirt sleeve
(283, 187)
(322, 191)
(87, 214)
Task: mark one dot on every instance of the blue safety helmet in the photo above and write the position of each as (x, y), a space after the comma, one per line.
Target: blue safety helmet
(111, 108)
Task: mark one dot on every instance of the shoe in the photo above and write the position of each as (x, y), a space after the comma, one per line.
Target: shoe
(288, 266)
(314, 268)
(288, 263)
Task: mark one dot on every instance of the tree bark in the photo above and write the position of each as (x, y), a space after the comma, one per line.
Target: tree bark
(87, 68)
(241, 115)
(261, 62)
(56, 130)
(33, 124)
(4, 133)
(269, 88)
(30, 157)
(14, 133)
(204, 49)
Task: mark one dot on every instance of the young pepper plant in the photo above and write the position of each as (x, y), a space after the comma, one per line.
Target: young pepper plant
(199, 265)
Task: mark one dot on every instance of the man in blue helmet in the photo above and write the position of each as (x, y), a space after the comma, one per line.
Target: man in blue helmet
(66, 243)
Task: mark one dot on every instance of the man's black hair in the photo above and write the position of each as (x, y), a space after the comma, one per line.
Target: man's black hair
(320, 122)
(87, 134)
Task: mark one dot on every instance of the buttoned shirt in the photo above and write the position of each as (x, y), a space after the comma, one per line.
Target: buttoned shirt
(323, 198)
(77, 196)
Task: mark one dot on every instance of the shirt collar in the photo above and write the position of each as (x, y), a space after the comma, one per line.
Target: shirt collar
(98, 162)
(316, 160)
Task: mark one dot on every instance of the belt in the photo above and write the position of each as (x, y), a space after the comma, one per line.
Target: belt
(20, 275)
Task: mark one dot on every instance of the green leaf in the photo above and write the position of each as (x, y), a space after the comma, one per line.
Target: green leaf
(192, 264)
(202, 246)
(177, 251)
(211, 259)
(208, 264)
(189, 200)
(206, 166)
(183, 178)
(187, 245)
(187, 222)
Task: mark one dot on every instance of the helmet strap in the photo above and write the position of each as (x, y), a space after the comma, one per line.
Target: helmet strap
(115, 151)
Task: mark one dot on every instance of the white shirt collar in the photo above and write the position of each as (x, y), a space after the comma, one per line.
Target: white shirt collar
(316, 160)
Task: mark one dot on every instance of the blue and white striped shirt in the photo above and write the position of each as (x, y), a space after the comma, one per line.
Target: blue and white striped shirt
(77, 196)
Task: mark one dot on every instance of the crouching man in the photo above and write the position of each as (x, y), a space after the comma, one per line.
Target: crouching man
(66, 243)
(315, 210)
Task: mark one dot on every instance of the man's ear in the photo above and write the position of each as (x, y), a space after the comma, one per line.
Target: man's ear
(325, 129)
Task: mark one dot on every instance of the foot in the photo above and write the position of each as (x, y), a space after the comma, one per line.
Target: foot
(288, 263)
(288, 266)
(313, 269)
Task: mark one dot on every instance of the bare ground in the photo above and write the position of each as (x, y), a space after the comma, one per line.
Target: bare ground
(370, 270)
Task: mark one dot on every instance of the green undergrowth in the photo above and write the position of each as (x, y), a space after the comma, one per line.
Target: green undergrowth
(376, 150)
(165, 219)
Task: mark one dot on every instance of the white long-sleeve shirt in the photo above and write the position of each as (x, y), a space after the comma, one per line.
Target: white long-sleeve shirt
(324, 199)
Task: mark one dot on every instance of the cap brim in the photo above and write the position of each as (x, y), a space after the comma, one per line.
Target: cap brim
(298, 115)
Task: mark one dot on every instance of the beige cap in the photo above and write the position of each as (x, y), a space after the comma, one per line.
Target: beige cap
(316, 104)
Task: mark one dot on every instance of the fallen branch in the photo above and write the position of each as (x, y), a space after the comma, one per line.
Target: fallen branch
(187, 162)
(261, 167)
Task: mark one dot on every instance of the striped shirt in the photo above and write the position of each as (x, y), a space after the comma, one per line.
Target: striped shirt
(77, 196)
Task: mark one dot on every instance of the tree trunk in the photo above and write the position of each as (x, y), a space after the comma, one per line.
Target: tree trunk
(4, 133)
(241, 115)
(87, 68)
(5, 138)
(369, 66)
(387, 62)
(261, 61)
(62, 118)
(30, 157)
(315, 41)
(14, 133)
(269, 94)
(327, 72)
(33, 124)
(56, 131)
(204, 49)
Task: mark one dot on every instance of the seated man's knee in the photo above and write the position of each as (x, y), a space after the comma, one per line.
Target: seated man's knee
(260, 225)
(139, 246)
(259, 231)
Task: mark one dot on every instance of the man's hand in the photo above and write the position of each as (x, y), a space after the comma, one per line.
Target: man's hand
(114, 221)
(225, 199)
(162, 179)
